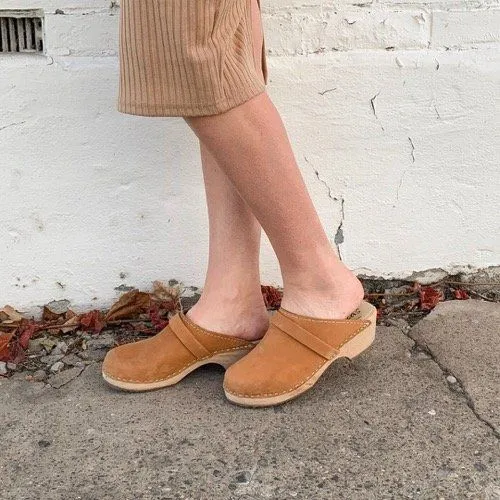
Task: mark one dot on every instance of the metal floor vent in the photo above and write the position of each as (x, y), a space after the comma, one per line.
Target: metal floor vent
(21, 31)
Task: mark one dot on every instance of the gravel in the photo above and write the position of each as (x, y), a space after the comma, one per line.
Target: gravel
(51, 358)
(103, 341)
(36, 346)
(57, 367)
(60, 348)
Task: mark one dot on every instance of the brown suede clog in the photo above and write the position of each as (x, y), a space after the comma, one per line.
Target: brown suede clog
(163, 360)
(294, 353)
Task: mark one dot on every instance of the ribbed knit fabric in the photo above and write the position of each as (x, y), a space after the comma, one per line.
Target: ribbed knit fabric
(186, 57)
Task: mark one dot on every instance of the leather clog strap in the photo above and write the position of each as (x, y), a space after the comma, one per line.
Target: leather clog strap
(303, 336)
(184, 334)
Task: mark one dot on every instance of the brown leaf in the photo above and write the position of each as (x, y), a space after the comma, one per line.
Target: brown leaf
(9, 315)
(70, 314)
(165, 293)
(71, 324)
(49, 315)
(129, 305)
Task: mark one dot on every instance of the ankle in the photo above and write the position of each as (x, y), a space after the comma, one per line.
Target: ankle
(325, 296)
(246, 320)
(323, 275)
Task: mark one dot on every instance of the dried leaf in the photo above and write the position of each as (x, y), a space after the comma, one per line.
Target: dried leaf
(49, 315)
(71, 324)
(17, 354)
(5, 338)
(70, 314)
(166, 298)
(25, 333)
(162, 292)
(158, 322)
(272, 296)
(129, 305)
(93, 320)
(9, 315)
(460, 294)
(429, 297)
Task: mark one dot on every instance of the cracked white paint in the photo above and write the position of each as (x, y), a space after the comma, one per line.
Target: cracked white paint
(391, 107)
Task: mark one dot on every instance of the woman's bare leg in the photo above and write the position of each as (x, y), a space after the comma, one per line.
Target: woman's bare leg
(231, 301)
(250, 144)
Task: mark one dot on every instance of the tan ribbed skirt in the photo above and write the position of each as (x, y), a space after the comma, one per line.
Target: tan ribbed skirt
(186, 57)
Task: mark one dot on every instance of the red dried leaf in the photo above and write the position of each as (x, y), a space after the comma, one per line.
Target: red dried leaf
(460, 294)
(5, 338)
(429, 297)
(93, 320)
(272, 296)
(154, 313)
(26, 332)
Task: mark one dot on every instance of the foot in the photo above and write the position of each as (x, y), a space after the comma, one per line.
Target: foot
(333, 295)
(241, 320)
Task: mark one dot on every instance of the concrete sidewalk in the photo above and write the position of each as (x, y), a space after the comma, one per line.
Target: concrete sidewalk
(416, 416)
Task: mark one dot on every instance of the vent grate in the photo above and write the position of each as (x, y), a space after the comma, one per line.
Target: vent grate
(21, 31)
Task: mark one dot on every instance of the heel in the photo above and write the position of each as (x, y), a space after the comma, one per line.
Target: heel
(361, 341)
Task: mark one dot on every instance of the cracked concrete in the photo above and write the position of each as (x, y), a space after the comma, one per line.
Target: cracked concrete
(387, 425)
(464, 341)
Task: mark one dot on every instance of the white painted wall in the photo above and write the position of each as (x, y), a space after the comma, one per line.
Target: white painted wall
(92, 199)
